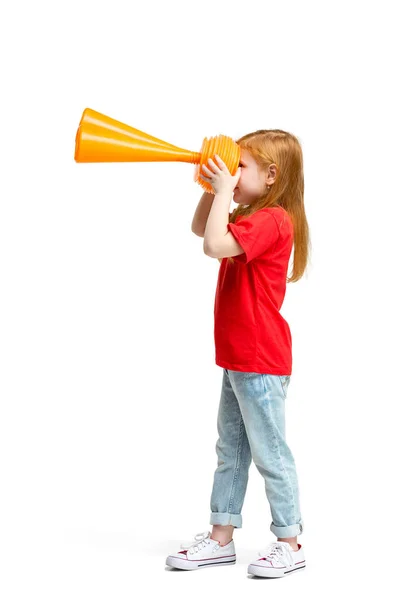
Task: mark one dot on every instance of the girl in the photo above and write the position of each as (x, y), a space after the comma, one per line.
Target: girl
(253, 343)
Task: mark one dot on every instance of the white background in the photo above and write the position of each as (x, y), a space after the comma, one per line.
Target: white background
(109, 387)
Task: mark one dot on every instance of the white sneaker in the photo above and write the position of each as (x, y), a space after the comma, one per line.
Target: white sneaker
(203, 552)
(277, 560)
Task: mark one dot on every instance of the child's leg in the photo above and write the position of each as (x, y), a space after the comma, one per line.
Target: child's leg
(261, 400)
(234, 459)
(292, 541)
(222, 533)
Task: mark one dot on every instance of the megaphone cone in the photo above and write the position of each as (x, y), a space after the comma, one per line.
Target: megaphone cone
(102, 139)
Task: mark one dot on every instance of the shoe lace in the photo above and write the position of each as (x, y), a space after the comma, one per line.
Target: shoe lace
(201, 540)
(278, 550)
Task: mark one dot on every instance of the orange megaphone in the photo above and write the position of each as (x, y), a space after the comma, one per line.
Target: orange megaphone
(102, 139)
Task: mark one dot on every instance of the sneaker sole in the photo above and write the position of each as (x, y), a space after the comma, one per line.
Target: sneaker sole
(271, 573)
(190, 565)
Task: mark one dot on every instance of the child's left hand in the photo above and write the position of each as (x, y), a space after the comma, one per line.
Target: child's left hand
(219, 176)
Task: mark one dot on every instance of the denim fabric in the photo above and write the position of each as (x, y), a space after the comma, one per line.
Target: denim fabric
(251, 425)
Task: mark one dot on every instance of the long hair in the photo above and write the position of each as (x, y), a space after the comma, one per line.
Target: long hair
(269, 146)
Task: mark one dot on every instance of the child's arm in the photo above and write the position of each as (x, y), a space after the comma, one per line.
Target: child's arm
(201, 214)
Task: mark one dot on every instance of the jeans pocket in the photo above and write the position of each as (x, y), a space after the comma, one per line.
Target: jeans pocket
(285, 380)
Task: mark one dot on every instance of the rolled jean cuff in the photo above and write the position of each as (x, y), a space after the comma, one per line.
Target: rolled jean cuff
(225, 519)
(287, 531)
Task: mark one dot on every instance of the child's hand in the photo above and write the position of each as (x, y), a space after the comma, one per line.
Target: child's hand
(219, 176)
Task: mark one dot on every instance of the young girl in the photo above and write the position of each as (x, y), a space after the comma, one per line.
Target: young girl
(253, 343)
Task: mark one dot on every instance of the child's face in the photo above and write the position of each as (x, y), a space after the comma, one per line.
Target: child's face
(252, 182)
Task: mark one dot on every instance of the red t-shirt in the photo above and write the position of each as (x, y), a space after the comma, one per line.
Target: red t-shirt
(250, 333)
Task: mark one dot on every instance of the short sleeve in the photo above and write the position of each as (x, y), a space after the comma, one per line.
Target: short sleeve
(256, 234)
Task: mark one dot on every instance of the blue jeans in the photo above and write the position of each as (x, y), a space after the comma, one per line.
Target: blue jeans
(251, 424)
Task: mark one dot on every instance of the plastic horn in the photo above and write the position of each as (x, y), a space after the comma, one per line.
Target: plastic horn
(102, 139)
